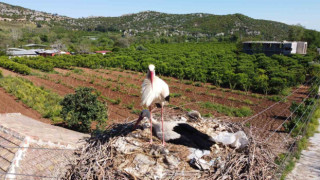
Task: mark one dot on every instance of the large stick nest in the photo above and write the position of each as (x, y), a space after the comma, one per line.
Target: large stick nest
(120, 153)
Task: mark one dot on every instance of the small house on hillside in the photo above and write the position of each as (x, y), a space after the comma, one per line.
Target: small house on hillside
(103, 52)
(275, 47)
(46, 53)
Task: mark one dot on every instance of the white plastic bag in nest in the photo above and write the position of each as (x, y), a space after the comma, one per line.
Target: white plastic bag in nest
(235, 140)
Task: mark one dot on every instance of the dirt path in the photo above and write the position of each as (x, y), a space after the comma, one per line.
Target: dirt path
(308, 166)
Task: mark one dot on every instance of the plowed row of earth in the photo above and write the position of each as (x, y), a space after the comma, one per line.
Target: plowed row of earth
(124, 87)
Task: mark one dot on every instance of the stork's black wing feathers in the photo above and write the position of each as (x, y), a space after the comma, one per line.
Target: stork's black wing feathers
(184, 128)
(191, 137)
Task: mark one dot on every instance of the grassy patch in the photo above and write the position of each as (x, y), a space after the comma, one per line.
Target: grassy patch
(45, 102)
(198, 84)
(229, 111)
(174, 95)
(130, 106)
(187, 82)
(77, 71)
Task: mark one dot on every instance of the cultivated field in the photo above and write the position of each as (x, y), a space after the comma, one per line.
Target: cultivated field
(121, 90)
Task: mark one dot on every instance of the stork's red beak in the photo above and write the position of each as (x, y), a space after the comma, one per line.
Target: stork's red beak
(151, 78)
(138, 121)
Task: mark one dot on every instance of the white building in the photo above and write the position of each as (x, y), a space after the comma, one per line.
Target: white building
(275, 47)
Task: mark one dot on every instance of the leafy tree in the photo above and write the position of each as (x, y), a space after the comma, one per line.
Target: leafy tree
(296, 32)
(277, 84)
(260, 81)
(81, 108)
(231, 78)
(244, 81)
(216, 78)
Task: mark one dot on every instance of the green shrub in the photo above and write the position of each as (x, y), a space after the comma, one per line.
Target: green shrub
(35, 63)
(13, 66)
(1, 74)
(81, 108)
(286, 91)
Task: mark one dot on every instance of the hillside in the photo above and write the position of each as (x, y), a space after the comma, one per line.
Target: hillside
(196, 25)
(20, 26)
(16, 13)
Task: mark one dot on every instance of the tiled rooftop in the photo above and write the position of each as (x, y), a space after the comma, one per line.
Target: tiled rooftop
(7, 154)
(30, 149)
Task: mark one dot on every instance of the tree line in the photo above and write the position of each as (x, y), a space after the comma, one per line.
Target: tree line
(218, 63)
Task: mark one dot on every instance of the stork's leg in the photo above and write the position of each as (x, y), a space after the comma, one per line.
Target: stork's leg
(163, 142)
(150, 124)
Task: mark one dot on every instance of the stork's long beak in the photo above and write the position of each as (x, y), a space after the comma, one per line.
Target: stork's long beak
(137, 123)
(151, 78)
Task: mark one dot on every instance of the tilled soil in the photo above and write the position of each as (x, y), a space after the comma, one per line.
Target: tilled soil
(125, 86)
(9, 104)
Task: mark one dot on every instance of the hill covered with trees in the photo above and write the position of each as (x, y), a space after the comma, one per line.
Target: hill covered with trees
(19, 26)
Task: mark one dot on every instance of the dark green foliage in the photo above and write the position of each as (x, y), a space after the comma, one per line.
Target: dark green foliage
(1, 74)
(217, 63)
(81, 108)
(38, 63)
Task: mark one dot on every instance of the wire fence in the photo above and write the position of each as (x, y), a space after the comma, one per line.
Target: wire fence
(303, 129)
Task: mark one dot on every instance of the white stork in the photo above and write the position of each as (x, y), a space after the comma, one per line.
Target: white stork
(178, 133)
(154, 90)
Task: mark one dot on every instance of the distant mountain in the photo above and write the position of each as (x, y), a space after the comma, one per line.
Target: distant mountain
(156, 23)
(16, 13)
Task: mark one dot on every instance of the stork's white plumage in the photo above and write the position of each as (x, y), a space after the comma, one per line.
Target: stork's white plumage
(154, 90)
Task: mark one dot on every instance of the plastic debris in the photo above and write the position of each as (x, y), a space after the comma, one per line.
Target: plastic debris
(236, 140)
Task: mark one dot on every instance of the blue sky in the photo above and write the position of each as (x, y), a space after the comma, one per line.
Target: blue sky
(304, 12)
